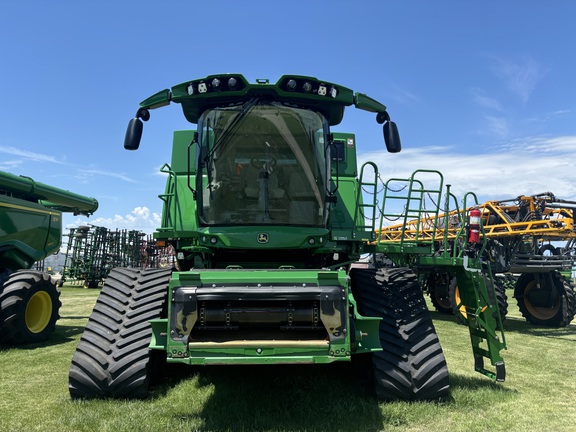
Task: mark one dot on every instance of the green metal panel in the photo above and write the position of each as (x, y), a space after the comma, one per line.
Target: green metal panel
(276, 237)
(31, 219)
(342, 217)
(269, 285)
(29, 232)
(346, 166)
(30, 190)
(184, 152)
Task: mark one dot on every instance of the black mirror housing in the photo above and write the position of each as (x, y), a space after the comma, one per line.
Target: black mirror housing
(392, 137)
(133, 134)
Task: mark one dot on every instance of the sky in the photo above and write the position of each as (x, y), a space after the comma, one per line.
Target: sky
(484, 92)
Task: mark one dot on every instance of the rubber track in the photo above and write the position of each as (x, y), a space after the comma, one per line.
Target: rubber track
(14, 296)
(412, 365)
(112, 357)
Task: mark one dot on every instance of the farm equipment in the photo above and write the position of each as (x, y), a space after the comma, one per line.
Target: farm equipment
(264, 208)
(30, 230)
(521, 233)
(92, 251)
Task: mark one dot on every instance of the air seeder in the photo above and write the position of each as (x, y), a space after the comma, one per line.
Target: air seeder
(264, 207)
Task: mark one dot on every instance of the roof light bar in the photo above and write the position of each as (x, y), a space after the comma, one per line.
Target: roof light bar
(215, 84)
(309, 86)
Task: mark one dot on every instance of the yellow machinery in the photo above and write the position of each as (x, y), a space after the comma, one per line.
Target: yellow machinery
(521, 234)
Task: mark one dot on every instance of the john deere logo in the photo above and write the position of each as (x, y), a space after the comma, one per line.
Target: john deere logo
(263, 238)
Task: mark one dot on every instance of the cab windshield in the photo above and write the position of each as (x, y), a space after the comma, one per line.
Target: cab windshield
(262, 163)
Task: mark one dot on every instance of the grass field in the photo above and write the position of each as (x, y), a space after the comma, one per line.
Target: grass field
(538, 395)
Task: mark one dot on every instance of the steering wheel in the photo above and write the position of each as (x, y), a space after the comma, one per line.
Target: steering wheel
(259, 160)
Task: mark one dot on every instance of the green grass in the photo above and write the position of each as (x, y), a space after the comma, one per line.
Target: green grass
(539, 393)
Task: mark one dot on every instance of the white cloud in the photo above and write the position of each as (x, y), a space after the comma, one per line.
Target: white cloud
(140, 219)
(39, 157)
(521, 167)
(497, 126)
(114, 174)
(520, 75)
(10, 165)
(83, 175)
(403, 96)
(479, 97)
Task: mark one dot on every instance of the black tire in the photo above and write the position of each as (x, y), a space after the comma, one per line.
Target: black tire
(501, 298)
(438, 285)
(112, 359)
(497, 289)
(554, 305)
(412, 365)
(91, 283)
(29, 306)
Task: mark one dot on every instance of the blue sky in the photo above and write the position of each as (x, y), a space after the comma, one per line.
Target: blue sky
(483, 91)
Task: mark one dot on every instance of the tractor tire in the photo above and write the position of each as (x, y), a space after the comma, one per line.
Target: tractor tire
(113, 358)
(438, 285)
(501, 299)
(411, 365)
(563, 300)
(29, 306)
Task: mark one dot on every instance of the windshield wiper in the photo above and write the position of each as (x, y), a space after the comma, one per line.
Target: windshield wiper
(225, 137)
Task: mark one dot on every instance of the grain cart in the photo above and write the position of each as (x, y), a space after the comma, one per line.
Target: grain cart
(31, 230)
(264, 208)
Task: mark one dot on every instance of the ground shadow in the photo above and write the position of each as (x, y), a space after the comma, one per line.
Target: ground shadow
(61, 335)
(519, 325)
(286, 397)
(458, 381)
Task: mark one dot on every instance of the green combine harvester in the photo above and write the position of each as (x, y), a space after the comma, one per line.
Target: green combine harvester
(264, 208)
(31, 230)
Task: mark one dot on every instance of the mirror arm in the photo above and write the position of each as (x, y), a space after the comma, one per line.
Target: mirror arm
(382, 117)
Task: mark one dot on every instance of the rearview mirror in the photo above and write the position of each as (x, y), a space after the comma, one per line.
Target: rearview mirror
(392, 137)
(133, 134)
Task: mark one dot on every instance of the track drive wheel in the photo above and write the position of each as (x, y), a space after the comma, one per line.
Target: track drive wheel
(112, 359)
(411, 365)
(546, 299)
(29, 306)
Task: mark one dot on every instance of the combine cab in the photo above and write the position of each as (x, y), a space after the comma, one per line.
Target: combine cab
(31, 230)
(264, 208)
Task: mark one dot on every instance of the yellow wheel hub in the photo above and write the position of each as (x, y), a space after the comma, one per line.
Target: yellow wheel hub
(38, 312)
(458, 300)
